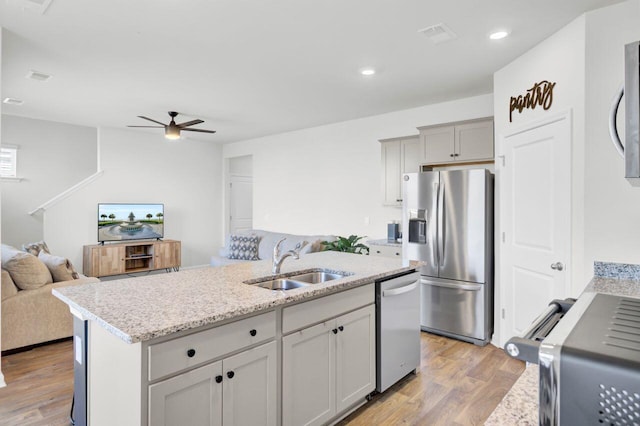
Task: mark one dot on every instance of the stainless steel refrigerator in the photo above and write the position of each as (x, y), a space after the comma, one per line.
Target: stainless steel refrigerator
(448, 224)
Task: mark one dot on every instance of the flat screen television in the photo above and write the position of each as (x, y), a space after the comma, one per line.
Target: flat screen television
(120, 221)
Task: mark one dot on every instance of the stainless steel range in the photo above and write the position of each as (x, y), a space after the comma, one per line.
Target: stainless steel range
(589, 361)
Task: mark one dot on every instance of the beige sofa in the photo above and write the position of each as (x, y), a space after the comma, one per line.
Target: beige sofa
(30, 313)
(266, 241)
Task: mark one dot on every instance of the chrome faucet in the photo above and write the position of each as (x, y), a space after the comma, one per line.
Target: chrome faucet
(278, 258)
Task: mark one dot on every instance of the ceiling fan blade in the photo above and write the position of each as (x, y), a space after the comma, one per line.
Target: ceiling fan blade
(150, 119)
(189, 123)
(155, 127)
(197, 130)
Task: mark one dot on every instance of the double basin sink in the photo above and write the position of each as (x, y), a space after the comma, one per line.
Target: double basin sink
(297, 281)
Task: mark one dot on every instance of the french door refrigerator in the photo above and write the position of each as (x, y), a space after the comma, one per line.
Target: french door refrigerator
(448, 225)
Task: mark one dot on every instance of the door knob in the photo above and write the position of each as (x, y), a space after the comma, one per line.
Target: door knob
(558, 266)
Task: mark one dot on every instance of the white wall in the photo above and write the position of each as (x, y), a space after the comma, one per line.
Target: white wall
(585, 58)
(185, 175)
(327, 179)
(51, 158)
(2, 383)
(611, 205)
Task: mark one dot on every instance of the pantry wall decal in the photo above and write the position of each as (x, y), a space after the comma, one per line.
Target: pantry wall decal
(540, 94)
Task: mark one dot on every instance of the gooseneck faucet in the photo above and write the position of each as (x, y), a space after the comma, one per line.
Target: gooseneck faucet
(278, 258)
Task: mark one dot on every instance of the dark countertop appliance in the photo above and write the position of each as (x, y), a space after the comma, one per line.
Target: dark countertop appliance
(589, 360)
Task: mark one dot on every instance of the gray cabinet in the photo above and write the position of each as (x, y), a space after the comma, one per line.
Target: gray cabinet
(398, 156)
(237, 390)
(464, 142)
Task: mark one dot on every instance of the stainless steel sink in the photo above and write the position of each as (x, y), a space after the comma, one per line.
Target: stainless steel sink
(281, 284)
(316, 277)
(299, 280)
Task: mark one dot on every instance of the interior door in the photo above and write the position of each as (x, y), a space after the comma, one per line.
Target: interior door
(535, 221)
(240, 204)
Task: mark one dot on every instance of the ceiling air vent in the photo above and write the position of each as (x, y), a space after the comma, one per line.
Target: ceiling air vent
(438, 33)
(12, 101)
(37, 75)
(38, 6)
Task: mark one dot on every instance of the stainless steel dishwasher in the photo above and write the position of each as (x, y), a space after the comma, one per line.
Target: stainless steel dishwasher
(397, 329)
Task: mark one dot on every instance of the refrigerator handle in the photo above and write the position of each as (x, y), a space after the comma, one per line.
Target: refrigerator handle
(432, 234)
(459, 286)
(441, 227)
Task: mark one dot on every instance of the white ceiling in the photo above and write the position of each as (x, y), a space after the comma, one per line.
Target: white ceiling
(256, 67)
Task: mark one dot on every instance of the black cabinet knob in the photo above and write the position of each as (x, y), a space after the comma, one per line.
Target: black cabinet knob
(335, 331)
(191, 353)
(451, 155)
(218, 379)
(253, 332)
(230, 374)
(341, 328)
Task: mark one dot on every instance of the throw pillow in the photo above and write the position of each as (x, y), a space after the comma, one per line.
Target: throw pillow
(243, 247)
(36, 248)
(27, 272)
(8, 287)
(61, 269)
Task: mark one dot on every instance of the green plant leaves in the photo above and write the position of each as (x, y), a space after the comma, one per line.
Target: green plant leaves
(347, 245)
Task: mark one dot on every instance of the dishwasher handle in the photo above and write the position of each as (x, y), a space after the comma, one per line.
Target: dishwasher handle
(400, 290)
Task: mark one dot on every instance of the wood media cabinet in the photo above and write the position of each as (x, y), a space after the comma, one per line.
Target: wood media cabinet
(129, 257)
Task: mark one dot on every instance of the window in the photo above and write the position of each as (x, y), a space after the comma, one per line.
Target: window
(8, 160)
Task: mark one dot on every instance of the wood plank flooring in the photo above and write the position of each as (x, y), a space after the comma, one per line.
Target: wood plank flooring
(458, 384)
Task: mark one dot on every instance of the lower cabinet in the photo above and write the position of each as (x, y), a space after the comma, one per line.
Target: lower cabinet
(238, 390)
(328, 367)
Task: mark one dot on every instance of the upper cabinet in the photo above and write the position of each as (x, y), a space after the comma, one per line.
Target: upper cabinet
(399, 155)
(465, 142)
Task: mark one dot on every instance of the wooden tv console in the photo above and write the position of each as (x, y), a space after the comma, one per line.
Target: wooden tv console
(129, 257)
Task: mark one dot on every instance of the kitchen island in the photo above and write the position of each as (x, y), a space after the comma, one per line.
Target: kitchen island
(202, 346)
(520, 405)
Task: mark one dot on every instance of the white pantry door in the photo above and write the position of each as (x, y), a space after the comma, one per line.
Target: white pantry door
(240, 203)
(535, 221)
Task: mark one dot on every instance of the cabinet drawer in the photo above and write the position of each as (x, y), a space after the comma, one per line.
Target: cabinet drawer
(179, 354)
(312, 312)
(387, 251)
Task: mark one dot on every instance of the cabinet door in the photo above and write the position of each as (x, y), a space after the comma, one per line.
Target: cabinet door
(356, 359)
(308, 376)
(166, 254)
(411, 151)
(250, 387)
(391, 187)
(110, 260)
(474, 141)
(438, 144)
(192, 398)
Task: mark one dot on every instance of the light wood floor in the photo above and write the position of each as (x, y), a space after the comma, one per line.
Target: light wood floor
(458, 384)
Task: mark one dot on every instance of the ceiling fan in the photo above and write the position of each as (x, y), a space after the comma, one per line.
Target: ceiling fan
(172, 130)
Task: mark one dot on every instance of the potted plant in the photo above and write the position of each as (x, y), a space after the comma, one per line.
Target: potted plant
(347, 245)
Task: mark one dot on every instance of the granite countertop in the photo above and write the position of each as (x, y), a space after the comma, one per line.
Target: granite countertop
(142, 308)
(520, 405)
(385, 242)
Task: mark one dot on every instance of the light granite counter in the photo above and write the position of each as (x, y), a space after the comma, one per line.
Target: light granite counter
(142, 308)
(385, 242)
(520, 405)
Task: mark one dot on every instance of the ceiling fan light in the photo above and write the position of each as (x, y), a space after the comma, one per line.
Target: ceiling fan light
(172, 133)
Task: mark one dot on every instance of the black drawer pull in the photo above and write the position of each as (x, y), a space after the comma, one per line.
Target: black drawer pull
(335, 331)
(191, 353)
(230, 374)
(341, 328)
(218, 379)
(253, 332)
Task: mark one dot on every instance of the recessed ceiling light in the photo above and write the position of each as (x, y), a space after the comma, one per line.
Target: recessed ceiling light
(12, 101)
(367, 71)
(37, 75)
(497, 35)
